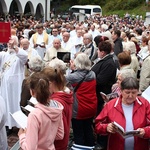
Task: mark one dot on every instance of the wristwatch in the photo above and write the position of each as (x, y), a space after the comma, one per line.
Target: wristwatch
(14, 47)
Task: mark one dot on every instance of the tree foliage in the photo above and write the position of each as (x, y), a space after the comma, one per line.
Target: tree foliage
(109, 4)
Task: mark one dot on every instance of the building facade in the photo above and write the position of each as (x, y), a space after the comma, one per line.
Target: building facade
(37, 8)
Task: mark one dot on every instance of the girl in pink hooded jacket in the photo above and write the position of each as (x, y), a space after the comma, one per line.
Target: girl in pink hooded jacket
(45, 122)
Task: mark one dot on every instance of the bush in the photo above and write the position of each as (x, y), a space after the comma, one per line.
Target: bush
(122, 4)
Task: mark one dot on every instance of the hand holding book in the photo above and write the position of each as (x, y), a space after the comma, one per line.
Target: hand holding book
(21, 131)
(111, 128)
(123, 133)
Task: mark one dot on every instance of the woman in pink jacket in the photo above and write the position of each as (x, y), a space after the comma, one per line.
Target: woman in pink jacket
(62, 94)
(45, 122)
(129, 111)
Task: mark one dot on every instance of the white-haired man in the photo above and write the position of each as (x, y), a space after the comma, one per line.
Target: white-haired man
(11, 76)
(88, 47)
(25, 44)
(51, 53)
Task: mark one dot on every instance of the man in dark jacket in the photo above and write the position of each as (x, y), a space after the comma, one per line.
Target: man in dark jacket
(118, 48)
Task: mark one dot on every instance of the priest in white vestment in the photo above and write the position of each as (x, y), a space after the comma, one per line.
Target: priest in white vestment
(25, 44)
(40, 41)
(3, 136)
(11, 76)
(67, 44)
(51, 53)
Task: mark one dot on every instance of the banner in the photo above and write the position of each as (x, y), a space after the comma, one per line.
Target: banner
(5, 32)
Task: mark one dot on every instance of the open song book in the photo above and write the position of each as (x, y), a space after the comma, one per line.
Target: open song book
(125, 134)
(20, 118)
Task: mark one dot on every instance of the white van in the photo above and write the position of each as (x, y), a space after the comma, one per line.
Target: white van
(88, 10)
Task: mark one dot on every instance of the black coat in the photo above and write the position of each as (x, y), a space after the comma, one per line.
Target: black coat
(105, 71)
(118, 48)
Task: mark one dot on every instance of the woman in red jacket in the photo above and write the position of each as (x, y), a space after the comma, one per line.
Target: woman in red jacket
(59, 92)
(83, 81)
(129, 111)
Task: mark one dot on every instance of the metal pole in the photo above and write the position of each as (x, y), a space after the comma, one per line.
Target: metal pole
(45, 9)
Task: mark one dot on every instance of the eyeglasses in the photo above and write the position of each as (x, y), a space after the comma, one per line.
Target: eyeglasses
(54, 31)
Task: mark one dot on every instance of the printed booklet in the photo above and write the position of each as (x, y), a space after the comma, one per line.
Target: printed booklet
(20, 118)
(124, 134)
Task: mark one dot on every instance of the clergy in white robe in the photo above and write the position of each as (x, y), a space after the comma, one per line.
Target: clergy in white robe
(25, 44)
(68, 44)
(11, 75)
(40, 41)
(77, 40)
(51, 53)
(3, 136)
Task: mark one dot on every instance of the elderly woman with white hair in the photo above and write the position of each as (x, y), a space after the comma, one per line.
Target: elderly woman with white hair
(121, 76)
(130, 46)
(83, 81)
(57, 64)
(35, 65)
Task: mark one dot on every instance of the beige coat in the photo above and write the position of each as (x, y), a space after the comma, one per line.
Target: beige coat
(145, 74)
(134, 63)
(52, 52)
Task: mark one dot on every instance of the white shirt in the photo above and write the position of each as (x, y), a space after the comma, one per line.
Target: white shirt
(94, 33)
(128, 112)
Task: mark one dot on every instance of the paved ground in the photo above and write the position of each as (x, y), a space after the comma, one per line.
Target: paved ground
(13, 138)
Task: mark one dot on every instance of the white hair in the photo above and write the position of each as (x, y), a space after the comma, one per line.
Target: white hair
(82, 61)
(88, 35)
(15, 38)
(57, 64)
(107, 34)
(104, 26)
(130, 46)
(36, 64)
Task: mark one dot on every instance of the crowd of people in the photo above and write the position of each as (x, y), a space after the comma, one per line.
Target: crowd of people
(107, 54)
